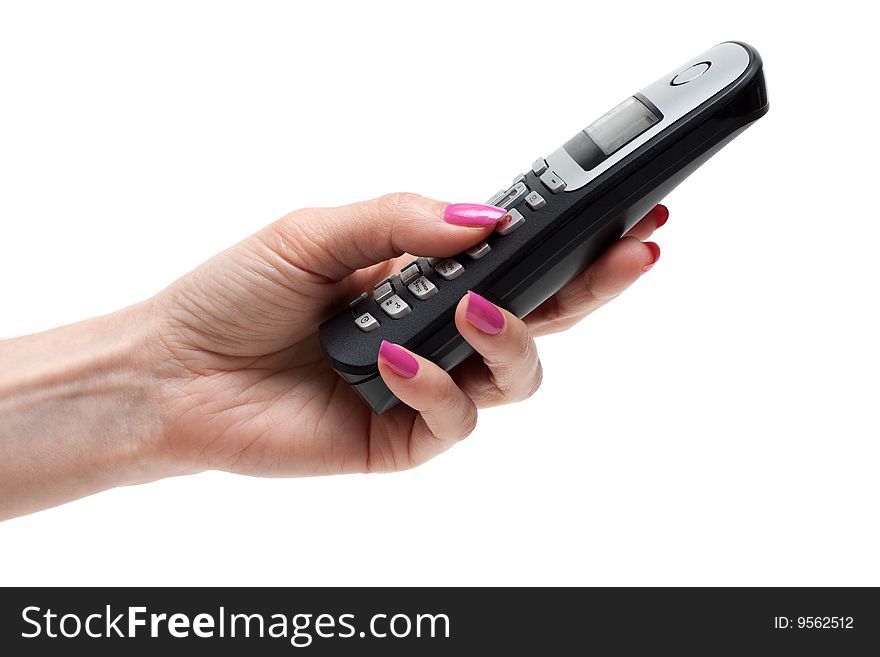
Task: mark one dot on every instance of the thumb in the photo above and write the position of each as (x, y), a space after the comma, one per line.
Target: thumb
(334, 242)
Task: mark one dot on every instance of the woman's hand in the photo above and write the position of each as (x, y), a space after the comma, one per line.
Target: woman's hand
(223, 369)
(245, 386)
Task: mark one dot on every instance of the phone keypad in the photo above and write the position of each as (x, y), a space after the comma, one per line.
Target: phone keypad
(512, 196)
(395, 307)
(422, 288)
(357, 302)
(382, 291)
(552, 182)
(449, 269)
(535, 201)
(417, 276)
(510, 222)
(366, 323)
(478, 251)
(496, 197)
(410, 273)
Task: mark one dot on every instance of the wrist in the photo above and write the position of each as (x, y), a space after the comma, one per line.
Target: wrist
(80, 408)
(125, 371)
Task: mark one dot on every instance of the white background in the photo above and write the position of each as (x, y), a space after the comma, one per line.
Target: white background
(716, 425)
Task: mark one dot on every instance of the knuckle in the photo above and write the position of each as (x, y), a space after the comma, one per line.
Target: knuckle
(520, 376)
(448, 399)
(294, 242)
(398, 203)
(453, 404)
(536, 381)
(502, 378)
(524, 347)
(468, 421)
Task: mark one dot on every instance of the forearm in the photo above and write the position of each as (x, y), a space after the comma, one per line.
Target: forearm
(77, 412)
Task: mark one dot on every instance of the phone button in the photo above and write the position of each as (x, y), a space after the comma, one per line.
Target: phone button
(509, 222)
(395, 307)
(449, 269)
(354, 304)
(691, 73)
(410, 273)
(366, 323)
(496, 197)
(382, 291)
(552, 182)
(422, 288)
(478, 251)
(535, 201)
(512, 196)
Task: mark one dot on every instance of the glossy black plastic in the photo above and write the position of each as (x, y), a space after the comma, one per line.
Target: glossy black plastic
(555, 244)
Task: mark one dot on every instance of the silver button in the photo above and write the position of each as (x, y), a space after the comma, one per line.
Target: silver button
(691, 73)
(422, 288)
(395, 307)
(512, 196)
(552, 182)
(434, 261)
(354, 304)
(509, 222)
(520, 178)
(424, 266)
(535, 201)
(366, 323)
(496, 197)
(449, 269)
(409, 273)
(478, 251)
(539, 166)
(382, 291)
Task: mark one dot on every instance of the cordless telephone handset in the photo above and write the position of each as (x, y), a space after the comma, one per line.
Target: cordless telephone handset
(561, 215)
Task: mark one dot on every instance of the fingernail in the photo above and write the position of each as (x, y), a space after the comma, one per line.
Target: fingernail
(484, 314)
(472, 214)
(661, 214)
(398, 359)
(655, 255)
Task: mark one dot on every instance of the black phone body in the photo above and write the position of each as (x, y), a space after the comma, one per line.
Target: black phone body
(562, 214)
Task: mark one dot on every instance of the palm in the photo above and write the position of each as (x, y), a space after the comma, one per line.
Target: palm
(268, 404)
(246, 385)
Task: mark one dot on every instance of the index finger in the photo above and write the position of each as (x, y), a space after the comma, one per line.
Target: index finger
(334, 242)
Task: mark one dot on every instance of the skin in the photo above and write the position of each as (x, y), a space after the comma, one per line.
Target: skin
(223, 370)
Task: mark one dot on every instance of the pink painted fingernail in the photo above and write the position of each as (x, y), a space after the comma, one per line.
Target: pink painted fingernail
(398, 359)
(655, 255)
(472, 214)
(484, 314)
(661, 214)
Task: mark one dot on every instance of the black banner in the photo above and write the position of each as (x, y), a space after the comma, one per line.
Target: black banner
(440, 621)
